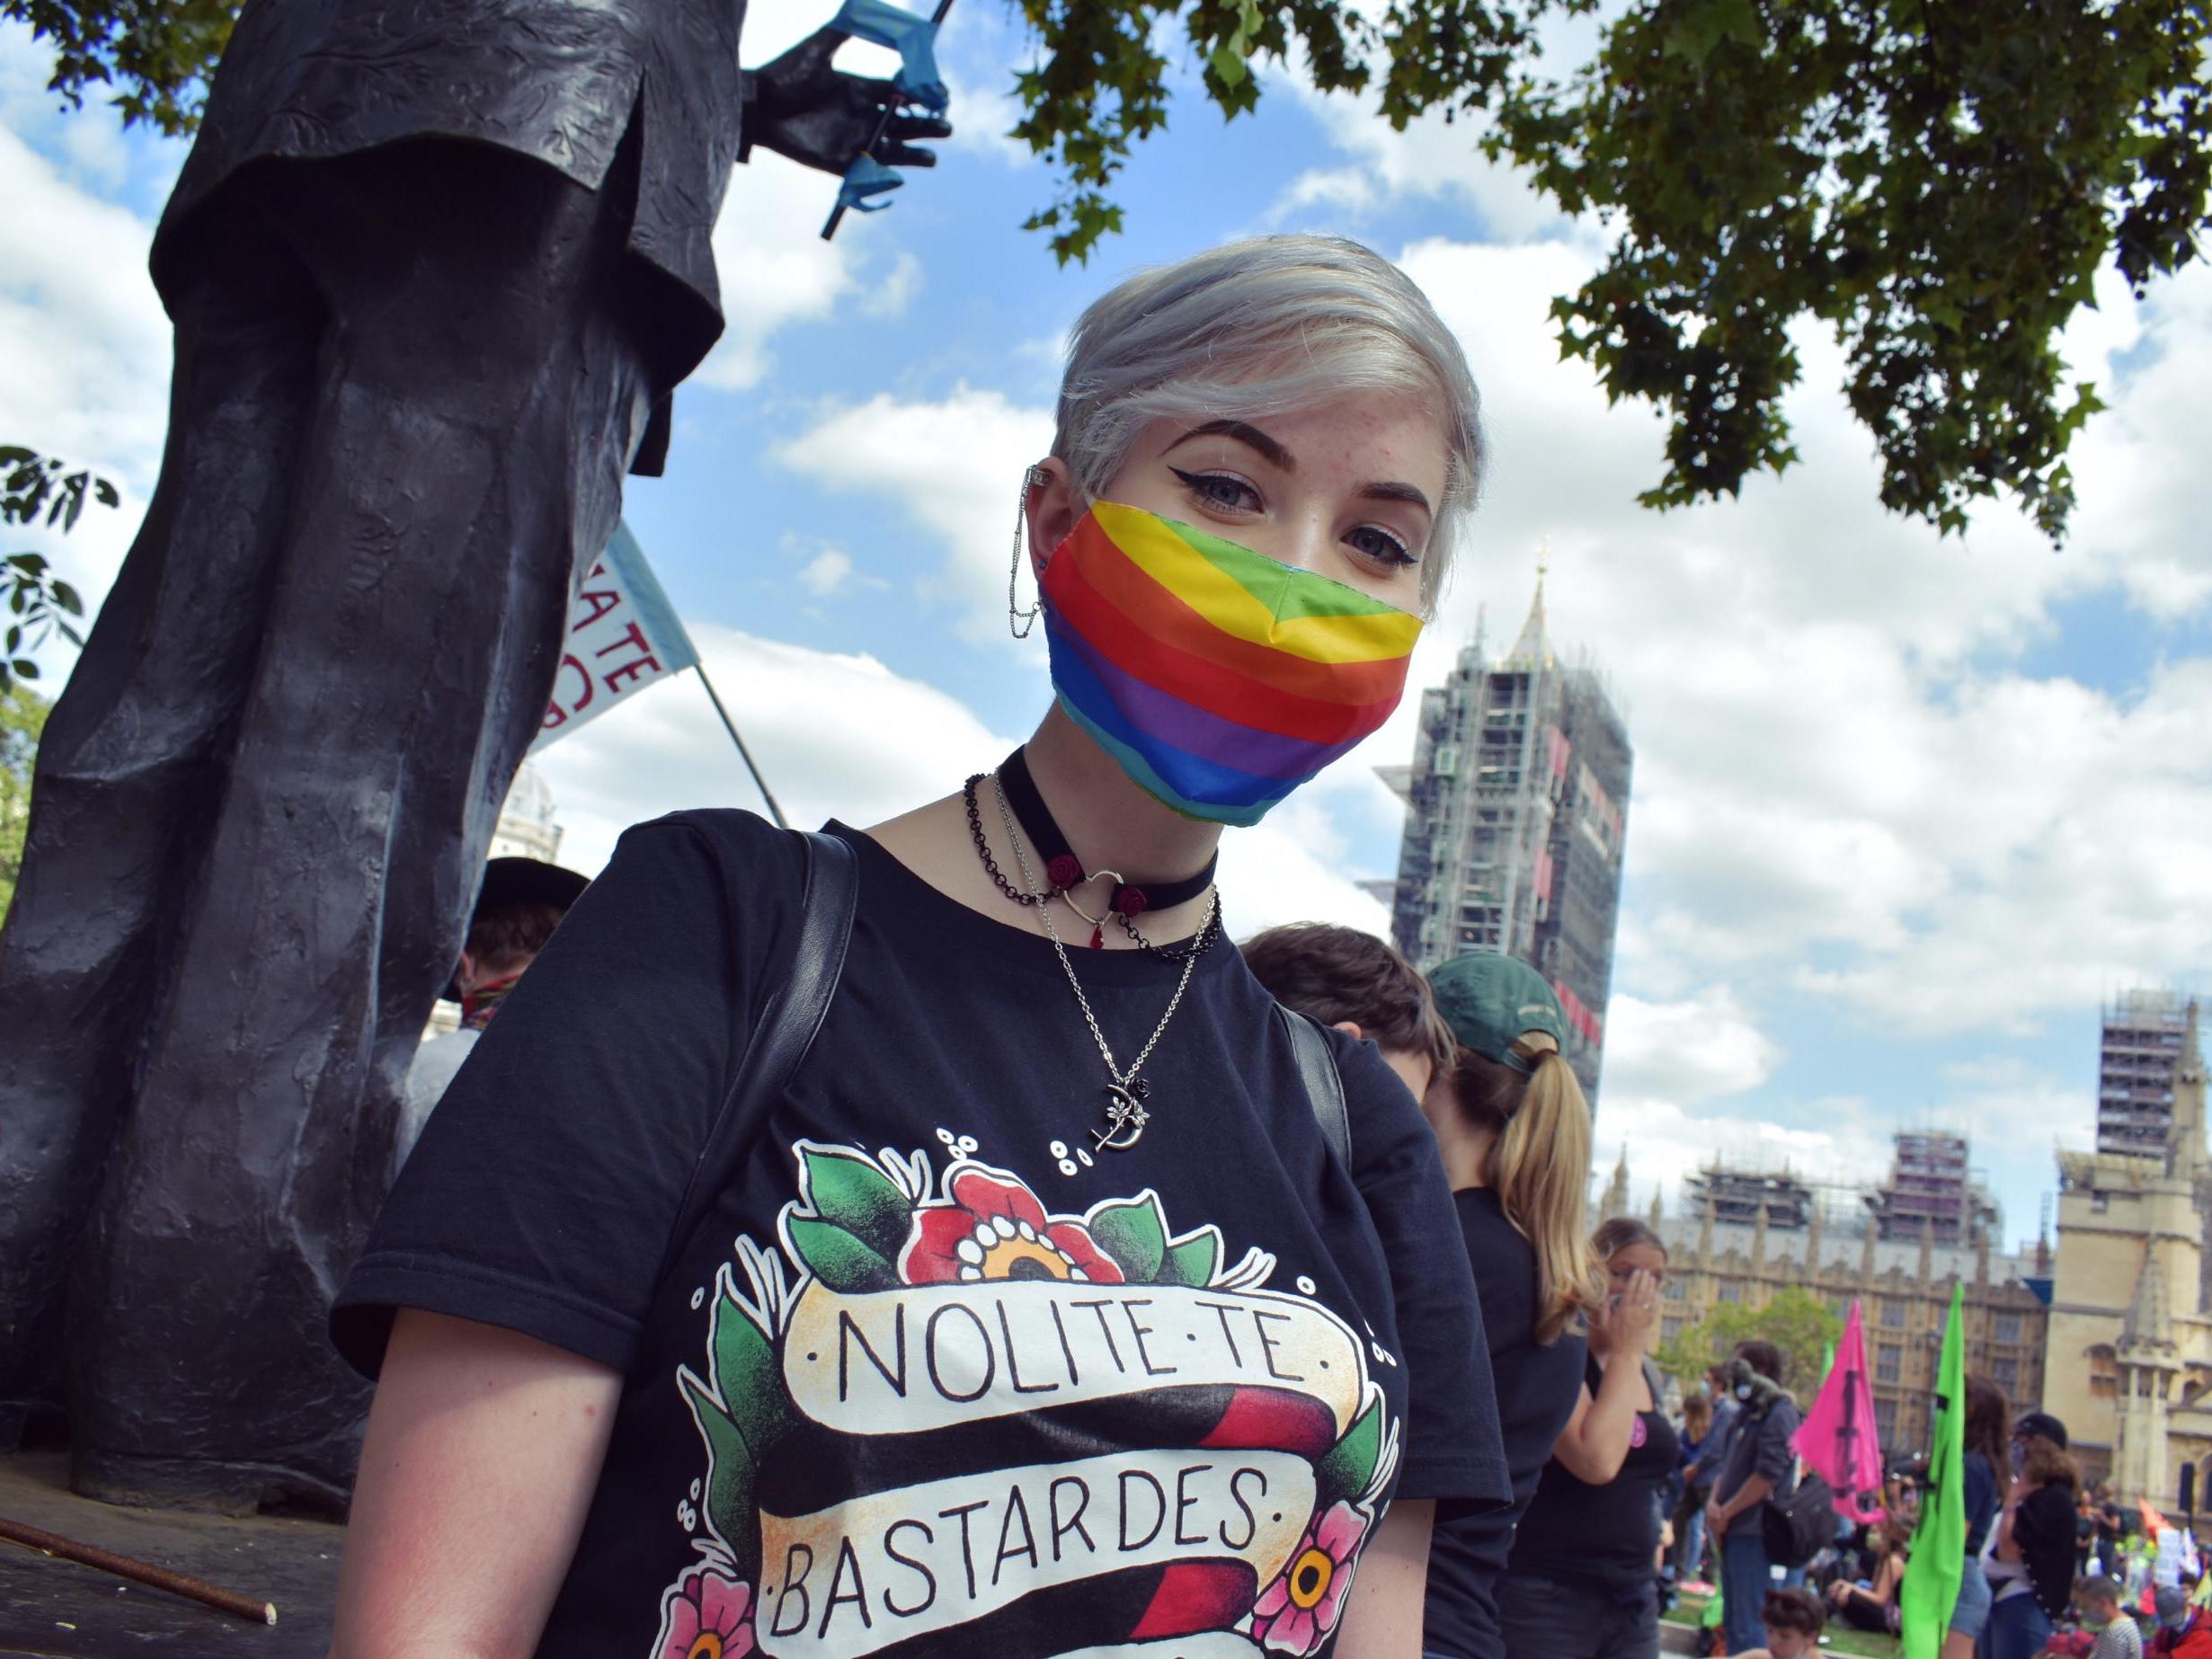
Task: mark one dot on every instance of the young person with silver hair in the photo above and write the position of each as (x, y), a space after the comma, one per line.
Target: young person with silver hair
(1044, 1306)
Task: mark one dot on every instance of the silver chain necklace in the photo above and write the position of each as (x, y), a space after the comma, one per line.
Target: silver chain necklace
(1125, 1096)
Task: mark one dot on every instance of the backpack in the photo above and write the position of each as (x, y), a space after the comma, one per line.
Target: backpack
(1796, 1528)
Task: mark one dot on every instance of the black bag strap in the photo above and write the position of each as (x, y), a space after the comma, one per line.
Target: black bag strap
(1316, 1069)
(786, 1030)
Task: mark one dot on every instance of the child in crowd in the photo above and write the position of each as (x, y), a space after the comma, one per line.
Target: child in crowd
(1792, 1620)
(2098, 1599)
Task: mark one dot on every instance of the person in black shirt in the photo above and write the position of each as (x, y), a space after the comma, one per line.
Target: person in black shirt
(1582, 1582)
(1515, 1134)
(2032, 1567)
(1758, 1463)
(1036, 1312)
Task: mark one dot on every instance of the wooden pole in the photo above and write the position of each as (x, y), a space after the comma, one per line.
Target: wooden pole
(139, 1572)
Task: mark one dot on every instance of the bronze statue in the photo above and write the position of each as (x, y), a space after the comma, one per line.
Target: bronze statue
(435, 267)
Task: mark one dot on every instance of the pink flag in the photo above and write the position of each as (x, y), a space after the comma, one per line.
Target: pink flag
(1837, 1436)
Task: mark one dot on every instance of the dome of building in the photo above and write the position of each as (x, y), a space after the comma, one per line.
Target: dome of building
(527, 829)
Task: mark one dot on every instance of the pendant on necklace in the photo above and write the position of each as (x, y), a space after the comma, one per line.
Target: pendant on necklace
(1126, 1118)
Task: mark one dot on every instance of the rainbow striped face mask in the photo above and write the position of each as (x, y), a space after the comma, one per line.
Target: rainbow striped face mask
(1219, 679)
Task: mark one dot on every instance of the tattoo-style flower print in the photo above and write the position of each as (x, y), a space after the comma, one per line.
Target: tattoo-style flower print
(1295, 1614)
(992, 1227)
(705, 1616)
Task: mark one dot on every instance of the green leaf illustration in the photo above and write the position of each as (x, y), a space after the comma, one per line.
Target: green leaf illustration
(1349, 1465)
(747, 1375)
(1191, 1259)
(851, 1192)
(838, 1258)
(729, 1472)
(1134, 1234)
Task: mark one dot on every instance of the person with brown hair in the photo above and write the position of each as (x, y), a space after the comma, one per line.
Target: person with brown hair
(1792, 1620)
(1341, 977)
(1515, 1131)
(1580, 1581)
(2032, 1564)
(1988, 1430)
(1688, 1520)
(1873, 1605)
(518, 908)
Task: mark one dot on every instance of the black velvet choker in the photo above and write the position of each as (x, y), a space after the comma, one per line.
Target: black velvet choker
(1064, 870)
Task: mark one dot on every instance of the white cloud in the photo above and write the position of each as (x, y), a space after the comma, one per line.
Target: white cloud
(954, 466)
(836, 735)
(826, 572)
(1702, 1049)
(842, 736)
(83, 344)
(1834, 757)
(776, 270)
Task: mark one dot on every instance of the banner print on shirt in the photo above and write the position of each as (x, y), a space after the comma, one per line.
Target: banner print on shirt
(934, 1404)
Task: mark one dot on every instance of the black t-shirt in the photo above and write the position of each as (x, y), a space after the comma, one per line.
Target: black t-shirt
(1574, 1529)
(2043, 1529)
(1536, 1388)
(937, 1374)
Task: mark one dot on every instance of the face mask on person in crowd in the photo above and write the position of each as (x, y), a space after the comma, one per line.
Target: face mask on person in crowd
(1221, 679)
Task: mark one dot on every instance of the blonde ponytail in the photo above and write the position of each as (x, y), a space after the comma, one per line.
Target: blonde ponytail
(1541, 1169)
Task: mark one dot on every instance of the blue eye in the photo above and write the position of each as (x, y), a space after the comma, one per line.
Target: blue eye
(1374, 542)
(1222, 490)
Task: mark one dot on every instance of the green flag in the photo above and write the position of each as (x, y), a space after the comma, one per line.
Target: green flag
(1938, 1560)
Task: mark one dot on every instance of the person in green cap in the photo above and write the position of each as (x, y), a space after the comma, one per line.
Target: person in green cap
(1515, 1131)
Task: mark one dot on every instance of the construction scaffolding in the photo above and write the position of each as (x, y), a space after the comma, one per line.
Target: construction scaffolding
(2143, 1038)
(1931, 1189)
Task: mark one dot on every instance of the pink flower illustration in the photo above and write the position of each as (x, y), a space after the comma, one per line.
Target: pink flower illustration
(1295, 1614)
(705, 1616)
(994, 1227)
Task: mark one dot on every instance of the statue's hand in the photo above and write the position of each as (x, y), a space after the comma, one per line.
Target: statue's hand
(824, 118)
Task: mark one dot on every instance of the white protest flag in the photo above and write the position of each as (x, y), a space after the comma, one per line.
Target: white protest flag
(624, 636)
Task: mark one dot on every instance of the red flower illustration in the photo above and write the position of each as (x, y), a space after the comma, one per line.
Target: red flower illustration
(707, 1615)
(992, 1227)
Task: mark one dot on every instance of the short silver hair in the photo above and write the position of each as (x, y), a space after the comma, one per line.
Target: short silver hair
(1269, 326)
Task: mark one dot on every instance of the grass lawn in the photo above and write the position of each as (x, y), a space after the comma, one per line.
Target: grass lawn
(1835, 1639)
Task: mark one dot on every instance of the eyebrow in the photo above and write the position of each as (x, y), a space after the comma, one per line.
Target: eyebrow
(1391, 491)
(1275, 455)
(1274, 452)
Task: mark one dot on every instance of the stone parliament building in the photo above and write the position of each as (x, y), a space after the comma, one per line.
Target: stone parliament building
(2131, 1347)
(1897, 1248)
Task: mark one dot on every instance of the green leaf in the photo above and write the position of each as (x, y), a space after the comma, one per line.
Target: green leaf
(1227, 65)
(730, 1472)
(850, 1192)
(1191, 1260)
(24, 667)
(1346, 1468)
(1135, 1235)
(66, 598)
(836, 1259)
(747, 1375)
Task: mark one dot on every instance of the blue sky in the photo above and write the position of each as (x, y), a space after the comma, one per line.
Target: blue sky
(1905, 809)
